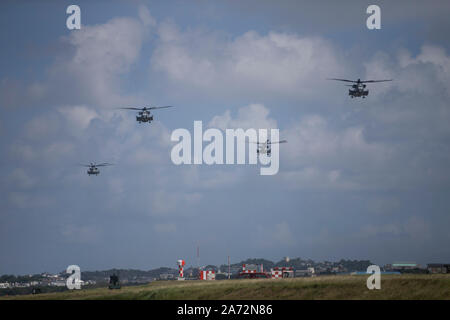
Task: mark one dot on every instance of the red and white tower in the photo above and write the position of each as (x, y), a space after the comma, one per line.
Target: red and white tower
(181, 264)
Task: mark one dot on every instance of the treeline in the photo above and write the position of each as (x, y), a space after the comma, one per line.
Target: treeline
(130, 274)
(22, 279)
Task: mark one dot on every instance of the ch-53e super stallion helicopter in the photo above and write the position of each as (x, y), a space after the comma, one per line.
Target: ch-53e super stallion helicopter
(358, 87)
(93, 168)
(265, 147)
(144, 114)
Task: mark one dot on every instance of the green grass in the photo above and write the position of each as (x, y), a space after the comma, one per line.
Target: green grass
(329, 287)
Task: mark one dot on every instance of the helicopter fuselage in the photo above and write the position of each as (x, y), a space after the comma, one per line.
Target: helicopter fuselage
(264, 148)
(144, 116)
(93, 170)
(358, 90)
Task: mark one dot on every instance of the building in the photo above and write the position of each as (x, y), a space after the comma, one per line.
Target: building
(305, 272)
(405, 266)
(282, 272)
(166, 276)
(207, 275)
(438, 268)
(253, 271)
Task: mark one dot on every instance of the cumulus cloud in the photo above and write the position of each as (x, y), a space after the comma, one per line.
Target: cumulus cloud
(320, 156)
(411, 114)
(99, 55)
(428, 73)
(146, 17)
(79, 116)
(250, 64)
(313, 140)
(254, 116)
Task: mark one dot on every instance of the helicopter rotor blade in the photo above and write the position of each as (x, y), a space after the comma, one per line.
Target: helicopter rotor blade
(131, 108)
(152, 108)
(281, 141)
(104, 164)
(345, 80)
(372, 81)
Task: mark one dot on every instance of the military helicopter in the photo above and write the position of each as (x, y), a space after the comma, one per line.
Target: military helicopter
(265, 147)
(358, 87)
(144, 114)
(93, 168)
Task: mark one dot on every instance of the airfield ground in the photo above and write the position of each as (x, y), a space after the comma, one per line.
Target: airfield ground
(326, 287)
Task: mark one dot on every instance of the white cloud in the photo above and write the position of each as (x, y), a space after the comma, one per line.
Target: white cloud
(78, 116)
(427, 73)
(252, 116)
(319, 156)
(252, 64)
(108, 48)
(146, 17)
(312, 141)
(101, 53)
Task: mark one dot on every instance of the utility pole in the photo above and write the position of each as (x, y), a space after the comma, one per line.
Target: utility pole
(198, 260)
(228, 267)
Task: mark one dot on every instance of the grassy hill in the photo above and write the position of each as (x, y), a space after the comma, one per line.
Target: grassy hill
(327, 287)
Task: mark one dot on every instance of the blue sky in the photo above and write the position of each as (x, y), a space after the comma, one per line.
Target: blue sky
(358, 179)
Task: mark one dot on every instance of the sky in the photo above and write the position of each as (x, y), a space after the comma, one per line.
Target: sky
(358, 178)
